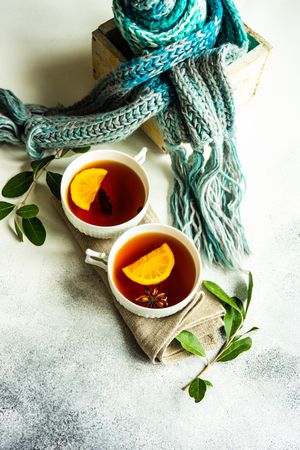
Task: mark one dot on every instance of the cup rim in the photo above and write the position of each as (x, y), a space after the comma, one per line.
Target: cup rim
(86, 156)
(147, 227)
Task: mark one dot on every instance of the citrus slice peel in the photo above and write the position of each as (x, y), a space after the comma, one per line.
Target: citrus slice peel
(152, 268)
(85, 185)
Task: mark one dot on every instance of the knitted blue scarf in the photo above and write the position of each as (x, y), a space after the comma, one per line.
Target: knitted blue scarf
(181, 48)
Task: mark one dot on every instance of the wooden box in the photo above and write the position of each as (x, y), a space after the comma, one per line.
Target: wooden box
(110, 49)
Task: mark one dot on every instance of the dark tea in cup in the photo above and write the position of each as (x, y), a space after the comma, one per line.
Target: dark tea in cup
(106, 193)
(154, 270)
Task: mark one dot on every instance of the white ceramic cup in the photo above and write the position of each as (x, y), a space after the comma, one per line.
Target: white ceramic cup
(135, 164)
(106, 262)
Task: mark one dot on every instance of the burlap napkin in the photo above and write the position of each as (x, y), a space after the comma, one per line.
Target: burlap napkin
(156, 337)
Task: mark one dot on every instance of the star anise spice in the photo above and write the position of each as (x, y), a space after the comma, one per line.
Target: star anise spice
(104, 202)
(153, 298)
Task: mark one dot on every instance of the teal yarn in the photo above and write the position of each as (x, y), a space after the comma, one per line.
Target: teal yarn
(178, 73)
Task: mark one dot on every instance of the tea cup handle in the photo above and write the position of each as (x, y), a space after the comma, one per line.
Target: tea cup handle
(140, 158)
(96, 258)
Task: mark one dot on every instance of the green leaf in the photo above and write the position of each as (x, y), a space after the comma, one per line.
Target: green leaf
(81, 149)
(232, 321)
(71, 151)
(247, 333)
(208, 383)
(236, 348)
(220, 294)
(251, 331)
(240, 304)
(250, 289)
(66, 153)
(34, 230)
(28, 211)
(38, 165)
(190, 343)
(18, 185)
(53, 180)
(197, 389)
(5, 209)
(18, 230)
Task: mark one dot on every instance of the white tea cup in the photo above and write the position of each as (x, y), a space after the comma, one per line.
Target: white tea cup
(107, 261)
(134, 163)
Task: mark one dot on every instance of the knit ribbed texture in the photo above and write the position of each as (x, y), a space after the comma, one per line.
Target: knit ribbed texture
(181, 50)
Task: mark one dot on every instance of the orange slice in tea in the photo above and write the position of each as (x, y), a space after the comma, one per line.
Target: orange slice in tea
(85, 185)
(152, 268)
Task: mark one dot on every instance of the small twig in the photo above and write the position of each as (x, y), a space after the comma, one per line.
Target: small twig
(209, 364)
(199, 374)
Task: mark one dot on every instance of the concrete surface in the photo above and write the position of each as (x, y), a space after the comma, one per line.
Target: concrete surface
(71, 376)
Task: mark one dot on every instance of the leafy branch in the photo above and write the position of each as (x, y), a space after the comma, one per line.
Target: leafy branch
(235, 344)
(25, 214)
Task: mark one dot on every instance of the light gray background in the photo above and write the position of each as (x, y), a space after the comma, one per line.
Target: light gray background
(71, 375)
